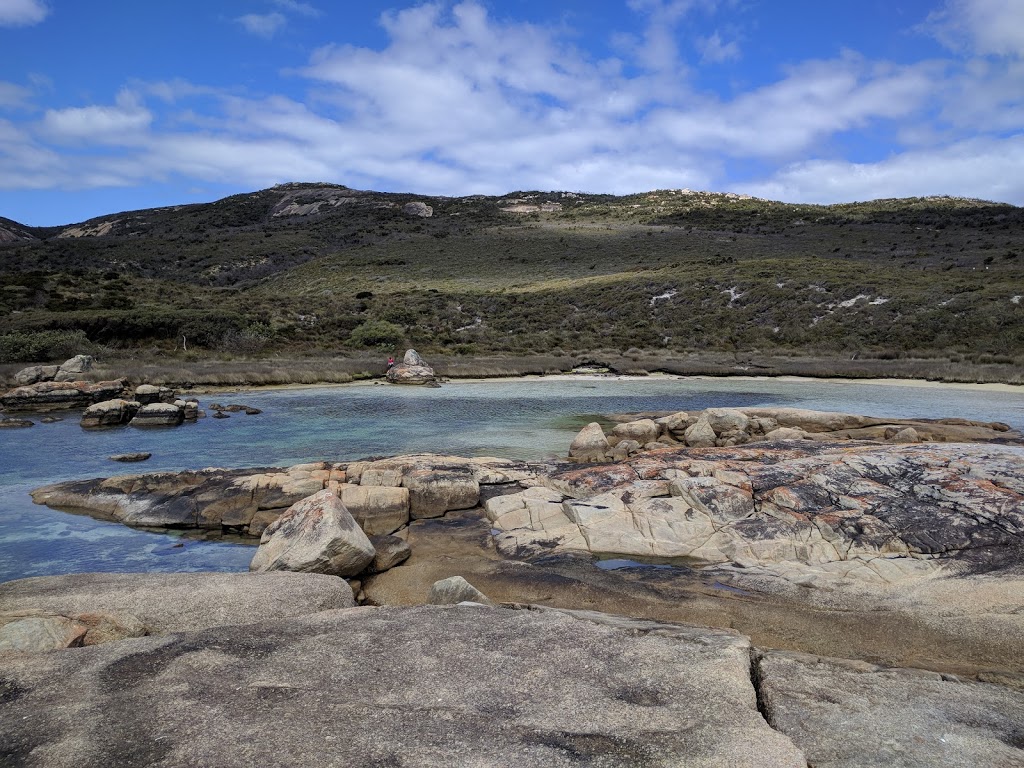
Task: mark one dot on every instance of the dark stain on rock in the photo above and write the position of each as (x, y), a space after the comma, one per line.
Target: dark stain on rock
(594, 748)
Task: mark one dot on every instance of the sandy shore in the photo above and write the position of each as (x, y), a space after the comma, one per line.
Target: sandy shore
(912, 383)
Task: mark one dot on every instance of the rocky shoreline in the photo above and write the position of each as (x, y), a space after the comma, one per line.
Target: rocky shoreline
(838, 552)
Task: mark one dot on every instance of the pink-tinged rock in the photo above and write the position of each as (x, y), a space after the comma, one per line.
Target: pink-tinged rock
(315, 535)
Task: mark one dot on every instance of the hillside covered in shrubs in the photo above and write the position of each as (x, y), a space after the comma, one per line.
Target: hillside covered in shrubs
(312, 269)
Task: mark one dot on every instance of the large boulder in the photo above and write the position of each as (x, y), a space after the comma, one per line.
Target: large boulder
(418, 209)
(151, 393)
(315, 535)
(390, 552)
(72, 370)
(36, 373)
(176, 602)
(412, 370)
(590, 445)
(109, 413)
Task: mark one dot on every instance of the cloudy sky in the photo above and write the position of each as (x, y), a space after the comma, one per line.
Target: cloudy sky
(110, 105)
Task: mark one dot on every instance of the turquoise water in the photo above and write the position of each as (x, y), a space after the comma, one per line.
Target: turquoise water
(527, 419)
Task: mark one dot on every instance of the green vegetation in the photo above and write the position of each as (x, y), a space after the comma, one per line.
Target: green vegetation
(307, 270)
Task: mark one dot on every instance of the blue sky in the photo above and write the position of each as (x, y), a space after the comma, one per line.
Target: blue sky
(117, 104)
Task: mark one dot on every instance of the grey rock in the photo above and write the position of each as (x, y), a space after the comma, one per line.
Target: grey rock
(6, 423)
(179, 602)
(38, 634)
(109, 413)
(412, 370)
(71, 370)
(55, 395)
(843, 713)
(158, 415)
(129, 458)
(432, 687)
(418, 209)
(432, 492)
(150, 393)
(391, 551)
(315, 535)
(454, 590)
(36, 373)
(700, 434)
(590, 445)
(642, 431)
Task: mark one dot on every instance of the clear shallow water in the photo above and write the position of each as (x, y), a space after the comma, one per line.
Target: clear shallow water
(526, 419)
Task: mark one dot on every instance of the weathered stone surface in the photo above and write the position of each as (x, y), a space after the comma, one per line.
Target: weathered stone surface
(412, 370)
(315, 535)
(158, 415)
(55, 395)
(178, 602)
(432, 492)
(243, 500)
(36, 373)
(843, 713)
(642, 431)
(109, 413)
(432, 687)
(38, 633)
(390, 551)
(700, 434)
(590, 445)
(378, 509)
(72, 370)
(827, 512)
(150, 393)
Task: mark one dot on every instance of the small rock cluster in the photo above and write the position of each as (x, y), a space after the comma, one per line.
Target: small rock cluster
(69, 370)
(727, 427)
(151, 406)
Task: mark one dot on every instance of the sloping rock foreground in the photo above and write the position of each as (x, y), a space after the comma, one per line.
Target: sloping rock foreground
(491, 687)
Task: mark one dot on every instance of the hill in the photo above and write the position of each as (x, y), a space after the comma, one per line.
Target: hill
(312, 268)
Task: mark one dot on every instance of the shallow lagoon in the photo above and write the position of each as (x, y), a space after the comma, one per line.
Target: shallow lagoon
(524, 418)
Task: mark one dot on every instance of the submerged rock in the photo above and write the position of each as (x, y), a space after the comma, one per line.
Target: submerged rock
(130, 457)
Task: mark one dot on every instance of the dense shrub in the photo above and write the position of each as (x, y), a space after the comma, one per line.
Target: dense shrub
(377, 333)
(42, 346)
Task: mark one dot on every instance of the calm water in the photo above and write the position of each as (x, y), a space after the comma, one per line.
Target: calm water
(525, 419)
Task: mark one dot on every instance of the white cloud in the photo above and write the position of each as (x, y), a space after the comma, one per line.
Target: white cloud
(303, 9)
(262, 25)
(989, 169)
(14, 96)
(458, 102)
(22, 13)
(713, 50)
(987, 27)
(121, 123)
